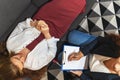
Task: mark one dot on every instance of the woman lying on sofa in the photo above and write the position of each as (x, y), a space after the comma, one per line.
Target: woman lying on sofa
(33, 41)
(104, 55)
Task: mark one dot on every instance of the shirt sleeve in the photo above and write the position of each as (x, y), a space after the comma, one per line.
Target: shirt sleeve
(21, 27)
(22, 35)
(52, 48)
(42, 54)
(88, 75)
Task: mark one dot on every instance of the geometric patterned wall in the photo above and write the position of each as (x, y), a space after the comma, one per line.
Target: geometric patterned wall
(103, 18)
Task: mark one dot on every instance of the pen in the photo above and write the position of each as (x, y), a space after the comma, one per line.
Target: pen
(56, 62)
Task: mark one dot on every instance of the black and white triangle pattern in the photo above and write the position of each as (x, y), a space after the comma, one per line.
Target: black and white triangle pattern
(55, 72)
(103, 18)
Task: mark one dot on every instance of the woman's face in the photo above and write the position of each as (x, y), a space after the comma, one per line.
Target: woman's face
(18, 60)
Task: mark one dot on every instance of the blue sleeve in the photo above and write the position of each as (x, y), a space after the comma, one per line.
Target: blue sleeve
(85, 77)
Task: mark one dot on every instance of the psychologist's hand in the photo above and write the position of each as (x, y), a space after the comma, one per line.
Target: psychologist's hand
(78, 73)
(75, 56)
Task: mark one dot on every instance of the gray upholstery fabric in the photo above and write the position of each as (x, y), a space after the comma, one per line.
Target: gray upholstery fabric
(29, 12)
(39, 3)
(10, 10)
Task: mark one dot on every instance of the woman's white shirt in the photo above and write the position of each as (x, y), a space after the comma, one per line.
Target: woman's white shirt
(97, 65)
(23, 35)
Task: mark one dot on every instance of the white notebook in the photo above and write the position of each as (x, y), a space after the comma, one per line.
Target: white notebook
(80, 64)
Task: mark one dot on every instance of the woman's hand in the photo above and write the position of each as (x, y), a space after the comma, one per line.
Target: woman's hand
(78, 73)
(44, 29)
(75, 56)
(41, 26)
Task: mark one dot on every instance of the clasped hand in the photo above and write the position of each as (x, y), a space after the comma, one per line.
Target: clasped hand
(40, 25)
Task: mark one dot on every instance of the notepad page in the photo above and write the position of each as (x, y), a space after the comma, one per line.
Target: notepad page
(72, 65)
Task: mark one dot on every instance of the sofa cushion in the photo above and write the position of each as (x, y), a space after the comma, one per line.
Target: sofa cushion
(39, 3)
(76, 22)
(29, 12)
(10, 11)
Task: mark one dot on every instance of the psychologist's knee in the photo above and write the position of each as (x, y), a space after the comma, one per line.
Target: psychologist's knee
(75, 37)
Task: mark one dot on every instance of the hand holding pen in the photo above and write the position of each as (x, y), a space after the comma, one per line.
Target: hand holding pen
(75, 56)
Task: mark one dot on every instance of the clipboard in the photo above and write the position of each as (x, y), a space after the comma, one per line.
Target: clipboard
(81, 64)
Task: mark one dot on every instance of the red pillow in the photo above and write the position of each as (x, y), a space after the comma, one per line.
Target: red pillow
(59, 14)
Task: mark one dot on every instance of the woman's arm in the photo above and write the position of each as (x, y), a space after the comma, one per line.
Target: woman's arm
(22, 35)
(43, 27)
(47, 49)
(51, 41)
(21, 27)
(88, 75)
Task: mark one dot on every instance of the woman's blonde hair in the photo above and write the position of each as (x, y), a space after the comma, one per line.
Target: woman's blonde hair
(8, 71)
(35, 75)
